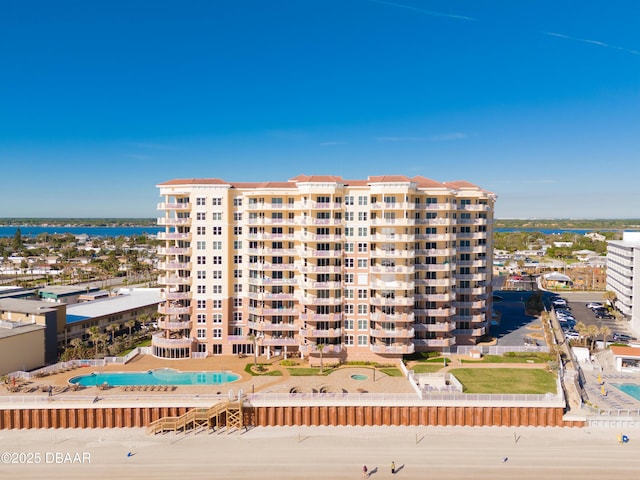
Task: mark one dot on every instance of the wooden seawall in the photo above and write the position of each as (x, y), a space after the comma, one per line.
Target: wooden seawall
(271, 416)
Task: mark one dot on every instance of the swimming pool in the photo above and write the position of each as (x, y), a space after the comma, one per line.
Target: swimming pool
(630, 389)
(162, 376)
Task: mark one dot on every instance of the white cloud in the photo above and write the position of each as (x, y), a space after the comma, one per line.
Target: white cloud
(592, 42)
(400, 139)
(421, 10)
(331, 144)
(445, 137)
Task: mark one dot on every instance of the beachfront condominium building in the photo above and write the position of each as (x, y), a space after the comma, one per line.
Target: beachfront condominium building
(323, 268)
(623, 261)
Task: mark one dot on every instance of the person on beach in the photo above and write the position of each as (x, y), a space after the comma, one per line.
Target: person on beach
(393, 468)
(365, 472)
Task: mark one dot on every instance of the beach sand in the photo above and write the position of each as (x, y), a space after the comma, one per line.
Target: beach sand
(323, 452)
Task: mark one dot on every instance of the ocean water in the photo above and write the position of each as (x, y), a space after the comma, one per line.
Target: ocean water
(28, 231)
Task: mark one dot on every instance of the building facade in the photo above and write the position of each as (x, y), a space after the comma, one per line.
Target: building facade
(322, 267)
(623, 259)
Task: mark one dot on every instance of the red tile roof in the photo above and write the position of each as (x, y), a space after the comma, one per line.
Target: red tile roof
(625, 351)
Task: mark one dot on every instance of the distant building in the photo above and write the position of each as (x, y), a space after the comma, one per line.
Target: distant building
(623, 263)
(65, 294)
(22, 346)
(595, 236)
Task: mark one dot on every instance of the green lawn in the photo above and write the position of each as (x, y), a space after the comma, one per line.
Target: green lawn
(306, 371)
(392, 372)
(505, 380)
(516, 357)
(427, 367)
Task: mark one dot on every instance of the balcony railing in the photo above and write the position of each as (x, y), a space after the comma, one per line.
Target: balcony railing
(435, 327)
(175, 295)
(173, 221)
(160, 341)
(392, 349)
(311, 349)
(319, 317)
(399, 333)
(174, 250)
(174, 280)
(173, 236)
(434, 206)
(404, 301)
(174, 206)
(405, 269)
(312, 332)
(270, 327)
(393, 317)
(278, 341)
(174, 310)
(435, 342)
(169, 325)
(174, 266)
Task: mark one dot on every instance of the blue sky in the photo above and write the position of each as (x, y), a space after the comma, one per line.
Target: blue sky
(535, 100)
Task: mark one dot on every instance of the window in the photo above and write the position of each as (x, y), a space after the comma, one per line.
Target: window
(237, 259)
(348, 216)
(237, 274)
(217, 274)
(362, 340)
(201, 318)
(201, 230)
(362, 309)
(217, 289)
(237, 245)
(200, 216)
(216, 245)
(362, 200)
(237, 302)
(217, 333)
(237, 288)
(216, 201)
(362, 263)
(217, 318)
(217, 230)
(363, 324)
(201, 274)
(362, 216)
(362, 247)
(237, 317)
(201, 260)
(201, 245)
(348, 200)
(237, 217)
(216, 303)
(201, 333)
(348, 231)
(363, 231)
(362, 293)
(201, 289)
(348, 278)
(348, 324)
(348, 309)
(348, 340)
(348, 247)
(217, 260)
(237, 201)
(201, 201)
(201, 304)
(348, 293)
(216, 217)
(348, 262)
(237, 230)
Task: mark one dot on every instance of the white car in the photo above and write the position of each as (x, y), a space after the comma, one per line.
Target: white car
(594, 305)
(572, 335)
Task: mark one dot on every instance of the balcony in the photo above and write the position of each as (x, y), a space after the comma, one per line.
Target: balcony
(316, 269)
(321, 206)
(435, 222)
(472, 263)
(308, 285)
(392, 237)
(477, 304)
(173, 236)
(282, 342)
(435, 267)
(381, 222)
(266, 281)
(437, 252)
(380, 253)
(472, 291)
(164, 221)
(183, 207)
(319, 317)
(474, 208)
(399, 333)
(163, 309)
(263, 312)
(392, 206)
(393, 317)
(310, 253)
(472, 318)
(311, 300)
(174, 280)
(435, 342)
(404, 269)
(475, 332)
(435, 312)
(471, 235)
(434, 206)
(435, 237)
(401, 301)
(392, 349)
(312, 332)
(273, 327)
(171, 325)
(435, 327)
(471, 276)
(174, 250)
(310, 349)
(472, 221)
(175, 295)
(270, 236)
(478, 249)
(160, 341)
(319, 221)
(271, 296)
(391, 285)
(312, 237)
(272, 251)
(174, 266)
(435, 297)
(267, 206)
(436, 282)
(272, 266)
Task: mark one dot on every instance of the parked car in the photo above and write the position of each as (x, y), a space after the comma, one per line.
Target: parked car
(593, 305)
(604, 315)
(622, 337)
(571, 335)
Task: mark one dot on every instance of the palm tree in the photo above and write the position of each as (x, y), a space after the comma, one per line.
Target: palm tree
(592, 332)
(77, 344)
(605, 332)
(253, 338)
(94, 336)
(581, 328)
(112, 328)
(130, 324)
(610, 297)
(320, 348)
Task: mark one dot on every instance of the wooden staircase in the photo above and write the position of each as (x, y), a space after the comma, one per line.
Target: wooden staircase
(223, 414)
